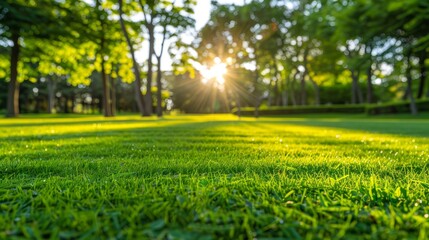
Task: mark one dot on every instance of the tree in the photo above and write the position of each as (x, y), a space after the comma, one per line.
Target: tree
(22, 21)
(105, 34)
(137, 82)
(167, 19)
(239, 32)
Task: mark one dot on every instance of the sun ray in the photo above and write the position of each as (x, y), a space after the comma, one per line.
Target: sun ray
(214, 73)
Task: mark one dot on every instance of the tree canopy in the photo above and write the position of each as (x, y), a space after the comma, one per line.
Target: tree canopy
(263, 53)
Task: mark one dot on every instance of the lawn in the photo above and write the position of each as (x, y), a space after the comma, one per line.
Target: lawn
(214, 177)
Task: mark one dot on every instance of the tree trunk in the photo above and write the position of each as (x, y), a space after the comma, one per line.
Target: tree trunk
(51, 94)
(316, 91)
(256, 92)
(112, 95)
(358, 90)
(270, 93)
(139, 96)
(284, 98)
(276, 84)
(137, 83)
(13, 91)
(37, 105)
(292, 90)
(104, 81)
(257, 103)
(369, 86)
(303, 92)
(100, 105)
(276, 92)
(353, 87)
(238, 105)
(93, 105)
(413, 106)
(284, 92)
(84, 104)
(73, 101)
(315, 86)
(66, 104)
(148, 95)
(272, 88)
(106, 90)
(422, 66)
(303, 85)
(24, 106)
(38, 99)
(370, 92)
(159, 89)
(406, 93)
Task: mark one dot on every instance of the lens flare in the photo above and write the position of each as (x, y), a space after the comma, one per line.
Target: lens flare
(216, 73)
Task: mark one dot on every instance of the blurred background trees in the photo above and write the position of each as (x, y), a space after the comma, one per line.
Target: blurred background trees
(86, 56)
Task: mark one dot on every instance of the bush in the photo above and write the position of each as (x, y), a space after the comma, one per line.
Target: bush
(361, 108)
(397, 107)
(371, 109)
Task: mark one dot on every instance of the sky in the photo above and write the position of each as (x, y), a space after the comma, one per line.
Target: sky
(202, 15)
(202, 10)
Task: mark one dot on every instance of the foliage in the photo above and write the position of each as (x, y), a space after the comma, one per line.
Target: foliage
(397, 107)
(278, 53)
(343, 108)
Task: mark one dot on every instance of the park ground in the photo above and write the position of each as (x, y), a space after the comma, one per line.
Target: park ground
(214, 177)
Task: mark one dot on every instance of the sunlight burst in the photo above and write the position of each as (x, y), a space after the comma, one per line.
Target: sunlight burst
(216, 72)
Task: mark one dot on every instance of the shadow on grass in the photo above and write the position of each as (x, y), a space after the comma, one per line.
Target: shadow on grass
(83, 122)
(99, 170)
(402, 127)
(168, 150)
(384, 125)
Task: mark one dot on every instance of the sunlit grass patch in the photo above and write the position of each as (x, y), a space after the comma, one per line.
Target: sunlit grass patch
(214, 176)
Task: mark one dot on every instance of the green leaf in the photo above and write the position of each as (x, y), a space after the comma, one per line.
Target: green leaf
(157, 225)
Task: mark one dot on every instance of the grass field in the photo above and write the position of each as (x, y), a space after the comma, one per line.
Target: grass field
(214, 177)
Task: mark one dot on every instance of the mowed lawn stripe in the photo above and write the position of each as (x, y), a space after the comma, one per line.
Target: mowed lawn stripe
(214, 177)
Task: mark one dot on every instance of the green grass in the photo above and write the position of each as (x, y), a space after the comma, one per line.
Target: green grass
(214, 177)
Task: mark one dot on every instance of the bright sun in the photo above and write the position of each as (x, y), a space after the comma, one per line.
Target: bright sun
(216, 72)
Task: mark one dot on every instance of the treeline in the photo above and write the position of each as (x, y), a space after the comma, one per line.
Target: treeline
(60, 53)
(72, 55)
(313, 52)
(59, 96)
